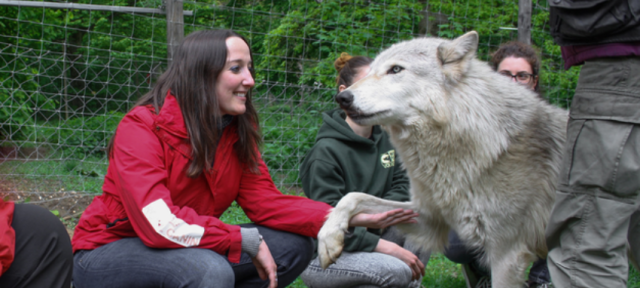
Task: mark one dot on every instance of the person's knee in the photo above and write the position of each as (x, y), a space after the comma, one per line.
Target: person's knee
(300, 250)
(397, 274)
(206, 268)
(43, 247)
(221, 276)
(38, 223)
(38, 218)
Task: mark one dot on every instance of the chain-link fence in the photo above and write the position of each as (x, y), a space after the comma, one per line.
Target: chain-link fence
(68, 73)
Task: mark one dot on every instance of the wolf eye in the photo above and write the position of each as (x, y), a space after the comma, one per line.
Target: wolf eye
(395, 69)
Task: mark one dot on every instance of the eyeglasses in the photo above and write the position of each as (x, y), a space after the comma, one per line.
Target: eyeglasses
(522, 77)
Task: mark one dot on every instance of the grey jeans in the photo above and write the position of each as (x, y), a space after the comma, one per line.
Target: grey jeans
(597, 207)
(129, 263)
(366, 269)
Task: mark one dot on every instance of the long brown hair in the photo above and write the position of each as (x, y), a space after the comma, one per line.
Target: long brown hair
(192, 77)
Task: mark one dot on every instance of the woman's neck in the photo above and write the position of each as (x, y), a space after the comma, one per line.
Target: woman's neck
(364, 131)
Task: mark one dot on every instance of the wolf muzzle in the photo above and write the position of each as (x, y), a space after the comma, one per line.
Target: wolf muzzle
(345, 99)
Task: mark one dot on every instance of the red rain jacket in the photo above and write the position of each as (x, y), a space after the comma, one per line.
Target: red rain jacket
(147, 194)
(7, 236)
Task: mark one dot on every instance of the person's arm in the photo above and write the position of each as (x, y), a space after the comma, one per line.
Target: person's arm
(266, 265)
(265, 205)
(7, 236)
(406, 256)
(140, 176)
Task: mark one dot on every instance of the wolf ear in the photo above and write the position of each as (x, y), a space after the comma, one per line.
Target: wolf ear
(455, 56)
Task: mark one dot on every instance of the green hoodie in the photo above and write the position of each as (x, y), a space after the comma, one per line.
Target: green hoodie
(342, 161)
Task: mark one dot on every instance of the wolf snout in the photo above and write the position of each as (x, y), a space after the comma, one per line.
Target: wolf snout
(345, 99)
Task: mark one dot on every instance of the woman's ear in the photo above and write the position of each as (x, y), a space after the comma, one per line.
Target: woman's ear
(341, 88)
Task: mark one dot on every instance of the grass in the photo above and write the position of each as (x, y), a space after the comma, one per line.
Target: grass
(49, 175)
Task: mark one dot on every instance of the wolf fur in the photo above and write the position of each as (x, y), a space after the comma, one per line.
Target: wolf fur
(482, 153)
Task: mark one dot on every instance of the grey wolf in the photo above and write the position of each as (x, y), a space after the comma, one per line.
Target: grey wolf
(482, 153)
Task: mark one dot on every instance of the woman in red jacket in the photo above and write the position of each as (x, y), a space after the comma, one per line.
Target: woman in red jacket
(177, 161)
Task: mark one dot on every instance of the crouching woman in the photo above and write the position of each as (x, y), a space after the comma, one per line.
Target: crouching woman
(177, 161)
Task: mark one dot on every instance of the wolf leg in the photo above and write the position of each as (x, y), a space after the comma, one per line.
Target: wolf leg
(331, 235)
(508, 267)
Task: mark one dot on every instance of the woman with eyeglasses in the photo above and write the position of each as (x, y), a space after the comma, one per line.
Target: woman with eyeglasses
(518, 61)
(521, 63)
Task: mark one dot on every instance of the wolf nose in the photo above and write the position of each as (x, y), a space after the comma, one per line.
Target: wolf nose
(345, 99)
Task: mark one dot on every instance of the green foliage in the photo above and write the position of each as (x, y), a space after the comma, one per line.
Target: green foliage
(60, 67)
(634, 277)
(79, 54)
(496, 22)
(289, 133)
(321, 31)
(15, 114)
(234, 215)
(19, 97)
(440, 272)
(83, 136)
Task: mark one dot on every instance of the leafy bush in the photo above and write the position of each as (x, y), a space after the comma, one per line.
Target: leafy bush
(495, 21)
(289, 133)
(15, 115)
(17, 105)
(84, 136)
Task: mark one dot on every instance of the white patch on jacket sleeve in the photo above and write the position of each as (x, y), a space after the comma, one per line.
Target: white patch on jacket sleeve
(171, 227)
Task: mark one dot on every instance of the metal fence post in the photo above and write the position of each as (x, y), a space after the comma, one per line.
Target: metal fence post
(175, 26)
(524, 21)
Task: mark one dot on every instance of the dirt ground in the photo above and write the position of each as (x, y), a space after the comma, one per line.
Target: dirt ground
(67, 205)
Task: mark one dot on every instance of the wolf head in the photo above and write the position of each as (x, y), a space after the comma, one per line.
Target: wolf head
(410, 81)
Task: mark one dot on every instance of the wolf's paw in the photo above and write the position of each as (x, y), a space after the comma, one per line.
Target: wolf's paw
(330, 244)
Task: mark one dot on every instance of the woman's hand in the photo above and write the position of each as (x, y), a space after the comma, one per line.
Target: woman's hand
(266, 265)
(384, 219)
(390, 248)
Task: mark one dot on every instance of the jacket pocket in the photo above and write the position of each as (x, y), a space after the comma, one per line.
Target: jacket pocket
(604, 159)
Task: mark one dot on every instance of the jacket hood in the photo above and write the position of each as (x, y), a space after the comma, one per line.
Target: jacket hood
(170, 117)
(335, 126)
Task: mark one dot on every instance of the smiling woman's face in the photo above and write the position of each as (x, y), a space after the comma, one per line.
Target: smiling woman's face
(235, 80)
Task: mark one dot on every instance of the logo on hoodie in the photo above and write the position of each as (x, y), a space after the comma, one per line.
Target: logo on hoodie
(388, 159)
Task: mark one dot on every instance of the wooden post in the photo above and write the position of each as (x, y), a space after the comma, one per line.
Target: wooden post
(175, 26)
(524, 21)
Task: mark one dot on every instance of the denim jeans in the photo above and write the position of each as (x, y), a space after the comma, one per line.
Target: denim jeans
(365, 269)
(459, 253)
(129, 263)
